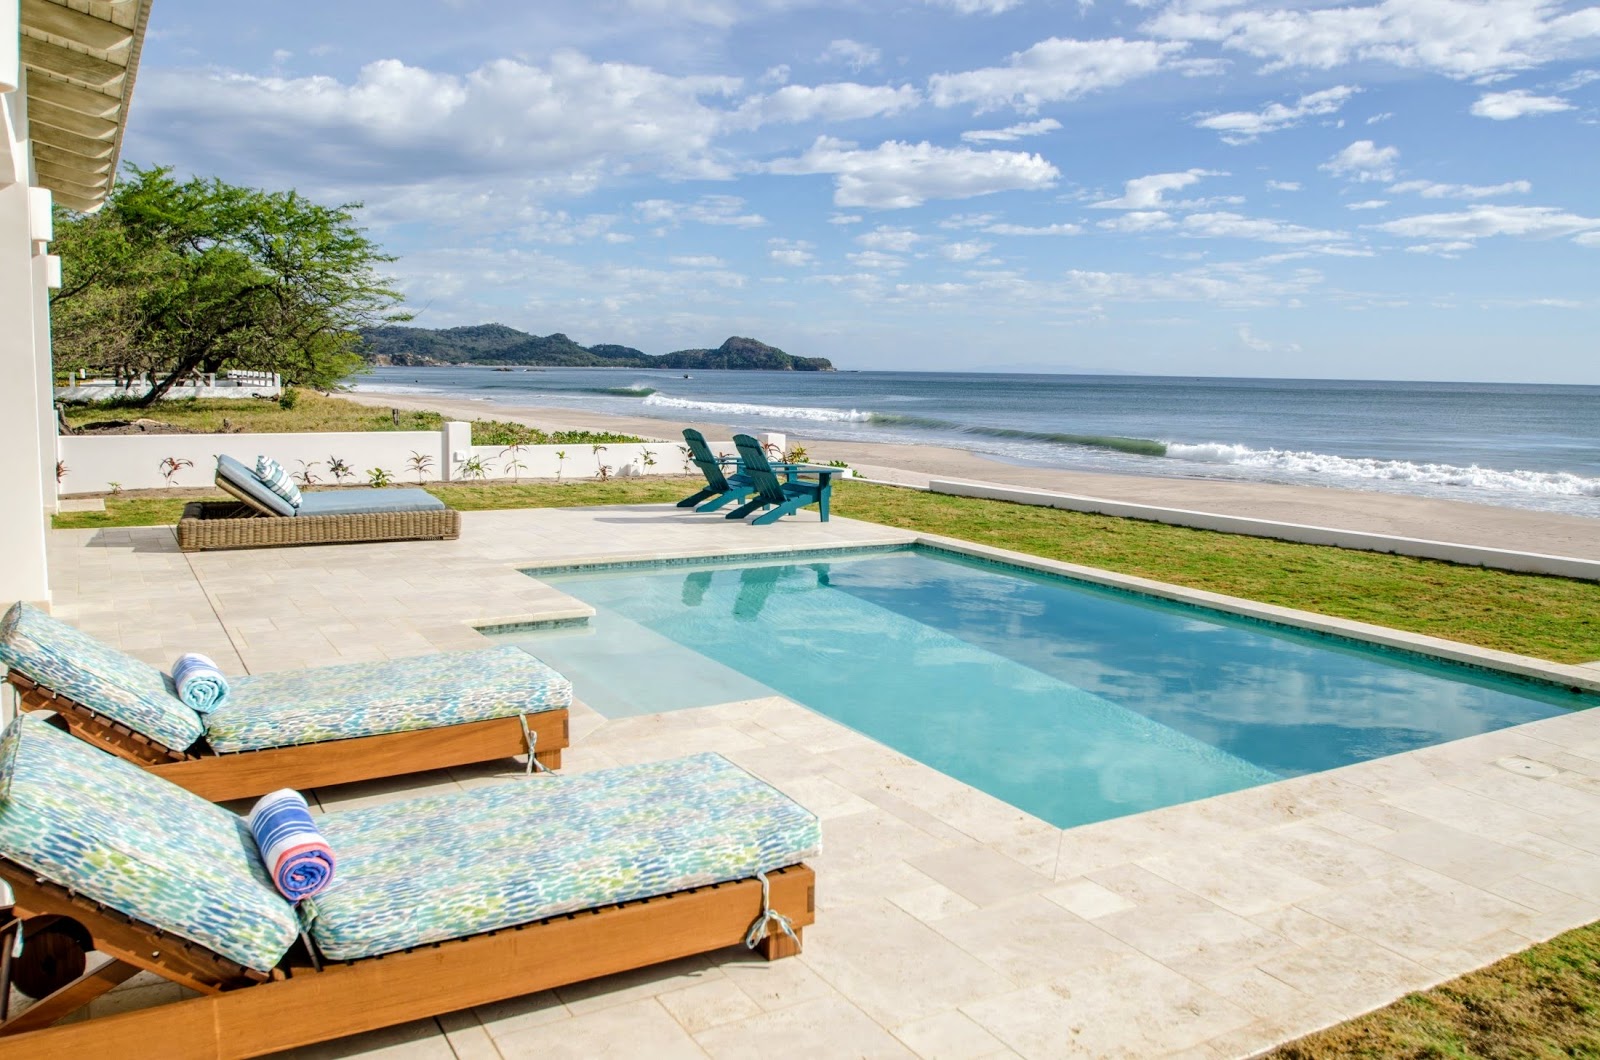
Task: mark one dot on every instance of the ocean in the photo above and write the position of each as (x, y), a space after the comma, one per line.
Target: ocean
(1522, 446)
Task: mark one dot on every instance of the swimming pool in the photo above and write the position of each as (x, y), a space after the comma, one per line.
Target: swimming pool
(1072, 702)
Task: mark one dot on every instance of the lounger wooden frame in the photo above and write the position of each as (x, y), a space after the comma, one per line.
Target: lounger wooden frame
(243, 1013)
(242, 774)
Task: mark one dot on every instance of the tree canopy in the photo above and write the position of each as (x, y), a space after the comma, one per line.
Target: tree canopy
(172, 277)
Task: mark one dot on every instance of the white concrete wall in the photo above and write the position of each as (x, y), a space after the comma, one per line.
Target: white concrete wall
(23, 570)
(106, 391)
(1474, 555)
(134, 461)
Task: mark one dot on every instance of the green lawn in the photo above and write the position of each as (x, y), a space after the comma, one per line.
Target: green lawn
(316, 413)
(1544, 1002)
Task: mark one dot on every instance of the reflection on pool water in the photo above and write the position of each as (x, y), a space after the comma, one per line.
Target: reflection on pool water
(1072, 702)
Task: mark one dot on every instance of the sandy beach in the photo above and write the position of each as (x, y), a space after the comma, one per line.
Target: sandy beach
(1371, 512)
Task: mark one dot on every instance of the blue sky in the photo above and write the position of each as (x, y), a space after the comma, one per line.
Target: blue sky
(1403, 189)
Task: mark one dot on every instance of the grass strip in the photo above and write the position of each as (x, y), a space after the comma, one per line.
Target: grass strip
(1543, 1002)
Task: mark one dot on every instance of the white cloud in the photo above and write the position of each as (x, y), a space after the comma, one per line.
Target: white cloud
(841, 101)
(1245, 126)
(1224, 225)
(1367, 204)
(968, 220)
(1063, 229)
(1482, 222)
(888, 238)
(875, 260)
(795, 253)
(1144, 193)
(977, 7)
(1518, 103)
(1363, 161)
(1053, 71)
(707, 210)
(1284, 185)
(1458, 38)
(698, 261)
(1430, 190)
(1140, 221)
(845, 219)
(1376, 118)
(966, 251)
(896, 175)
(1249, 339)
(1444, 250)
(776, 75)
(1011, 132)
(851, 53)
(571, 122)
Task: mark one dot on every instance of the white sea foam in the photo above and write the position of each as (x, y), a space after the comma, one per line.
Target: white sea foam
(1324, 465)
(730, 408)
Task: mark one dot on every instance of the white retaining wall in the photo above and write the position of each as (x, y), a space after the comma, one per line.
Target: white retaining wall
(134, 460)
(1473, 555)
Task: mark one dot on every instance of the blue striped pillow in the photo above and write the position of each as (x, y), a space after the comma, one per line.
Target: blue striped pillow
(276, 479)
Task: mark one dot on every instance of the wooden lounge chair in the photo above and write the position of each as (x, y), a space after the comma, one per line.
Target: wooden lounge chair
(300, 729)
(563, 879)
(783, 496)
(720, 488)
(262, 519)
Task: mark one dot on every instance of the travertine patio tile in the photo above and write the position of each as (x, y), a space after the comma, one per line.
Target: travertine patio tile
(515, 1014)
(871, 836)
(613, 1033)
(1197, 938)
(1468, 811)
(773, 984)
(709, 1004)
(933, 902)
(1579, 877)
(981, 875)
(826, 1027)
(893, 966)
(1087, 899)
(1466, 857)
(948, 1036)
(1135, 1008)
(1351, 975)
(468, 1039)
(637, 983)
(1030, 939)
(1243, 885)
(418, 1040)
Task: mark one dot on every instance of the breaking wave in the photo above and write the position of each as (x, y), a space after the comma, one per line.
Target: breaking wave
(621, 391)
(1324, 465)
(730, 408)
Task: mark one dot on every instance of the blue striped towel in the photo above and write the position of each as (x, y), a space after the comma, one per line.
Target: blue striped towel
(299, 859)
(201, 685)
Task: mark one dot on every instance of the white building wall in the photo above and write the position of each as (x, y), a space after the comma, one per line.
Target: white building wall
(23, 569)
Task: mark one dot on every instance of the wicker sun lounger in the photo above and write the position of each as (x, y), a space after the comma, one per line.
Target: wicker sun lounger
(262, 519)
(297, 728)
(565, 879)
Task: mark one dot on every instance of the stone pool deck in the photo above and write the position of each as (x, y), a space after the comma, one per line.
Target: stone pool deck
(949, 924)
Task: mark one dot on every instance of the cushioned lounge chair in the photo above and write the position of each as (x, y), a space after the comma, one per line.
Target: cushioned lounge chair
(720, 488)
(294, 728)
(262, 518)
(784, 496)
(438, 904)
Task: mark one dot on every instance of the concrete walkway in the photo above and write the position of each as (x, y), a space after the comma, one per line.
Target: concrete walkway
(949, 924)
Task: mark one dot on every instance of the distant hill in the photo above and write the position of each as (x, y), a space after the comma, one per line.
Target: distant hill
(497, 344)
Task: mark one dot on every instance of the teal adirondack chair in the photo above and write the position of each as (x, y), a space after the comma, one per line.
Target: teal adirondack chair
(783, 496)
(720, 488)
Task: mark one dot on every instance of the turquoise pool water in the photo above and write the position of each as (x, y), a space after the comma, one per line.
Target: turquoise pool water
(1072, 702)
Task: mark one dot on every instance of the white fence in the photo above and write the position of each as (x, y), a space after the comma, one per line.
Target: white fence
(98, 463)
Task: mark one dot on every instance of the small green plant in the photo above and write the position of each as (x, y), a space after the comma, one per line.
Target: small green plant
(837, 463)
(795, 455)
(688, 458)
(419, 464)
(61, 470)
(603, 472)
(378, 478)
(306, 475)
(514, 464)
(172, 465)
(473, 467)
(339, 469)
(561, 459)
(287, 398)
(116, 488)
(648, 457)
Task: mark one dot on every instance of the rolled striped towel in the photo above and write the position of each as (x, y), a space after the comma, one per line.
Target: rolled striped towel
(299, 859)
(201, 685)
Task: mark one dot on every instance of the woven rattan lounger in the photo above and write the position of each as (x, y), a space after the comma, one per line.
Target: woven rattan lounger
(299, 729)
(262, 519)
(438, 904)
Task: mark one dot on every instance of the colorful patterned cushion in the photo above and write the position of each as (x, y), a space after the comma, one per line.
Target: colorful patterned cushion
(439, 868)
(364, 699)
(69, 661)
(276, 479)
(142, 845)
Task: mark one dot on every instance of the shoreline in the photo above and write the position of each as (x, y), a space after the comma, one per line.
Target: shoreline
(1467, 522)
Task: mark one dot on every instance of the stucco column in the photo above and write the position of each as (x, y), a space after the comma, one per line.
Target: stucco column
(23, 571)
(44, 277)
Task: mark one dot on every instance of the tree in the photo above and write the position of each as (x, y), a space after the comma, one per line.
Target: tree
(172, 278)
